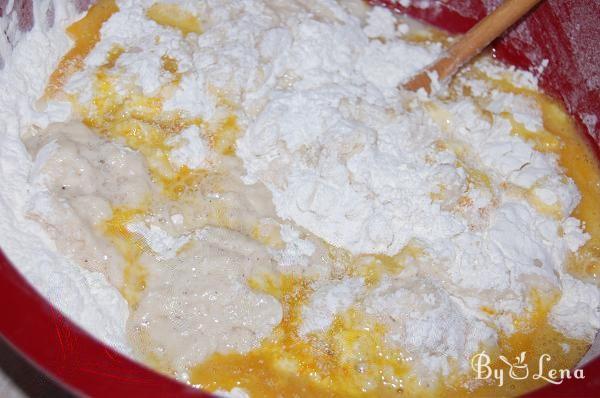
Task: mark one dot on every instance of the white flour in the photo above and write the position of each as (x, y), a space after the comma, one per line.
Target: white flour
(190, 149)
(346, 156)
(297, 251)
(428, 323)
(329, 299)
(160, 242)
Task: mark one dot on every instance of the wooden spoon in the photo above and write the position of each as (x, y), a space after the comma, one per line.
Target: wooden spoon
(472, 43)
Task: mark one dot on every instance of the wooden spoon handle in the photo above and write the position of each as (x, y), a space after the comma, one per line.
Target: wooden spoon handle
(473, 42)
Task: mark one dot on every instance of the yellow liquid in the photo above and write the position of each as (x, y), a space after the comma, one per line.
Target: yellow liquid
(173, 16)
(86, 34)
(134, 275)
(289, 366)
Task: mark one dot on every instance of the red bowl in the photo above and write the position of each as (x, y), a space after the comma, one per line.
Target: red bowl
(565, 32)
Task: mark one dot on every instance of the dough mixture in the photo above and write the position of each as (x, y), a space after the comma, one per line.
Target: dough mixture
(261, 211)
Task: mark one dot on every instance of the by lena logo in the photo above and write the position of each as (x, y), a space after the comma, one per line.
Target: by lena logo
(518, 369)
